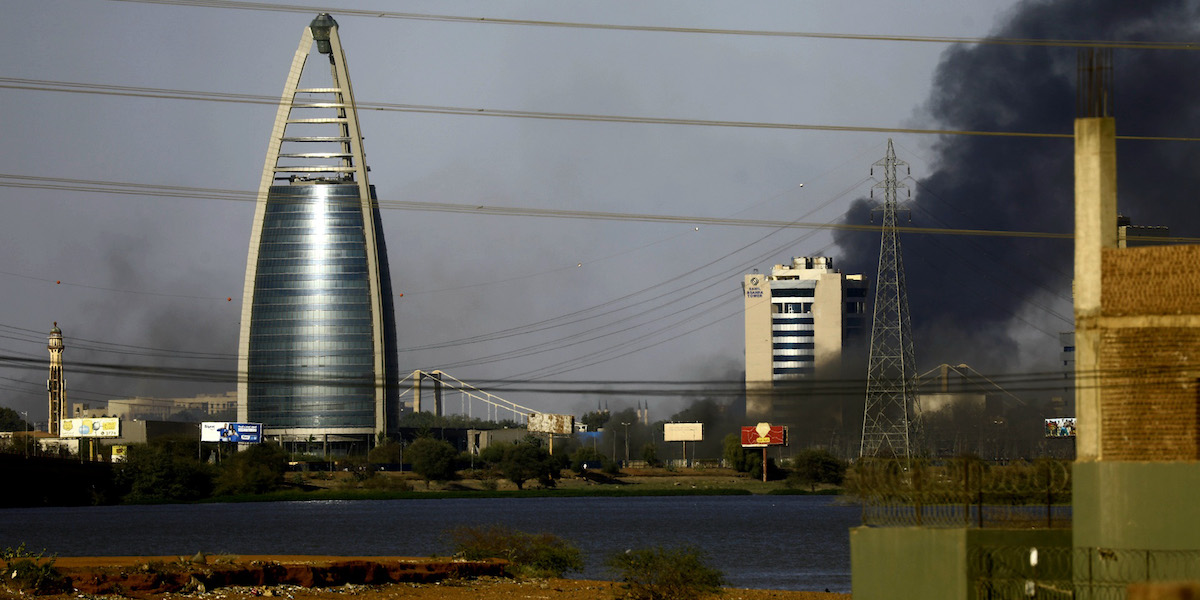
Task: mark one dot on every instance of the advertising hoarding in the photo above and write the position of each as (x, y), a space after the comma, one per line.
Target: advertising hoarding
(549, 423)
(95, 427)
(221, 431)
(763, 435)
(1061, 427)
(683, 432)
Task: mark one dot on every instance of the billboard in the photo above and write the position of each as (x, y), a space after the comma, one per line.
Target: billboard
(683, 432)
(1060, 427)
(220, 431)
(95, 427)
(763, 435)
(548, 423)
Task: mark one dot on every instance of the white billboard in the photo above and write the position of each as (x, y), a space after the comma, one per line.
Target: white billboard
(683, 432)
(548, 423)
(95, 427)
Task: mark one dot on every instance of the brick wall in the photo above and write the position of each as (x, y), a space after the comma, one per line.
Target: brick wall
(1150, 354)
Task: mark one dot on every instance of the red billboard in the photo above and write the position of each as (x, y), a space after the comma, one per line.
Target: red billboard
(763, 435)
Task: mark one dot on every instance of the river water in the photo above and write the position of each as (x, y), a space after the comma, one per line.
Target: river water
(771, 542)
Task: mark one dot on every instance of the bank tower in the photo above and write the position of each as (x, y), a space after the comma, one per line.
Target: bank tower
(317, 350)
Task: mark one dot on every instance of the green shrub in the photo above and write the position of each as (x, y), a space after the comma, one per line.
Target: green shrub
(33, 572)
(813, 467)
(528, 554)
(665, 574)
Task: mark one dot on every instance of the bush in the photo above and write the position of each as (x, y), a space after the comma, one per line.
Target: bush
(665, 574)
(528, 554)
(34, 572)
(817, 466)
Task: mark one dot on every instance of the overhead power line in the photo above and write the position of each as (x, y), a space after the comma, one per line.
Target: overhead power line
(379, 14)
(41, 85)
(138, 189)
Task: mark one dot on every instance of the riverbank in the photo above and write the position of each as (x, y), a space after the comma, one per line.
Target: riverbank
(328, 578)
(390, 485)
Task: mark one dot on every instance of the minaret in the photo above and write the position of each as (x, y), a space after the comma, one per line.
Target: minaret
(56, 385)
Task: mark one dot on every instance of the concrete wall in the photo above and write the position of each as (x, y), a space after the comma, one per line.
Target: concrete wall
(1147, 505)
(895, 563)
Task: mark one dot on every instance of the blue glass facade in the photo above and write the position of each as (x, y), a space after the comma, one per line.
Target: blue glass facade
(311, 355)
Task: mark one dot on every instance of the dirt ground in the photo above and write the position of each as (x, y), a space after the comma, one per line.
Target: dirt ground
(484, 587)
(487, 588)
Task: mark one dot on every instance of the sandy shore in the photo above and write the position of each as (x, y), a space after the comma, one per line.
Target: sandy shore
(410, 578)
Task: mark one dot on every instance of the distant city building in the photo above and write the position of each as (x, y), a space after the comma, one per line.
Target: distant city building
(210, 407)
(799, 319)
(317, 346)
(1130, 235)
(56, 384)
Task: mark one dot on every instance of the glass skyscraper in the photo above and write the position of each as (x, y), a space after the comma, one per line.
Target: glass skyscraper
(317, 344)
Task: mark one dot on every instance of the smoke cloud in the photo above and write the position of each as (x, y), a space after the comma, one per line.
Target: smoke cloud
(977, 299)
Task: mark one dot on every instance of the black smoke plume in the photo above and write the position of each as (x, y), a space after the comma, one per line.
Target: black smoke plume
(969, 295)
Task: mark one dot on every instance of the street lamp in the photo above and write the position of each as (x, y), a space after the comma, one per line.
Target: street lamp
(626, 443)
(26, 413)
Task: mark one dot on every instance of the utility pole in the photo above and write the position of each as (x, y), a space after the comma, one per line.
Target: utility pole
(891, 417)
(626, 443)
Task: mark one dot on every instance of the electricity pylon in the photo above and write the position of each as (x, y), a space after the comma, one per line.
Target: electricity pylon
(891, 418)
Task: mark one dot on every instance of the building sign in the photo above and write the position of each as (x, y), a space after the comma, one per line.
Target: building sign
(119, 453)
(1061, 427)
(763, 435)
(219, 431)
(96, 427)
(752, 289)
(548, 423)
(683, 432)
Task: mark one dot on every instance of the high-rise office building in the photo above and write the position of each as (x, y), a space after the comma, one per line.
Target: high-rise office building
(799, 319)
(317, 345)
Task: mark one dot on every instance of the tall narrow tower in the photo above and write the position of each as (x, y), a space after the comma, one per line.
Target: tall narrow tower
(317, 346)
(891, 419)
(56, 385)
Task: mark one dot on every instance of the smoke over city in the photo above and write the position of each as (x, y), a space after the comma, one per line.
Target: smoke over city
(998, 303)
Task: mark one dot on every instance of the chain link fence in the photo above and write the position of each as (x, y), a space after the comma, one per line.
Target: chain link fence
(1012, 573)
(962, 493)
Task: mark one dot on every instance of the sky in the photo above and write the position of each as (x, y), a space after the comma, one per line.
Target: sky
(153, 283)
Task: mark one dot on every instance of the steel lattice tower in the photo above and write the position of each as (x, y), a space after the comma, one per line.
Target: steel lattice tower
(891, 418)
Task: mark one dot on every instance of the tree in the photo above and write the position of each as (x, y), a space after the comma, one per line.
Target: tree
(595, 420)
(10, 420)
(164, 471)
(526, 460)
(389, 452)
(818, 466)
(650, 454)
(256, 470)
(735, 456)
(433, 460)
